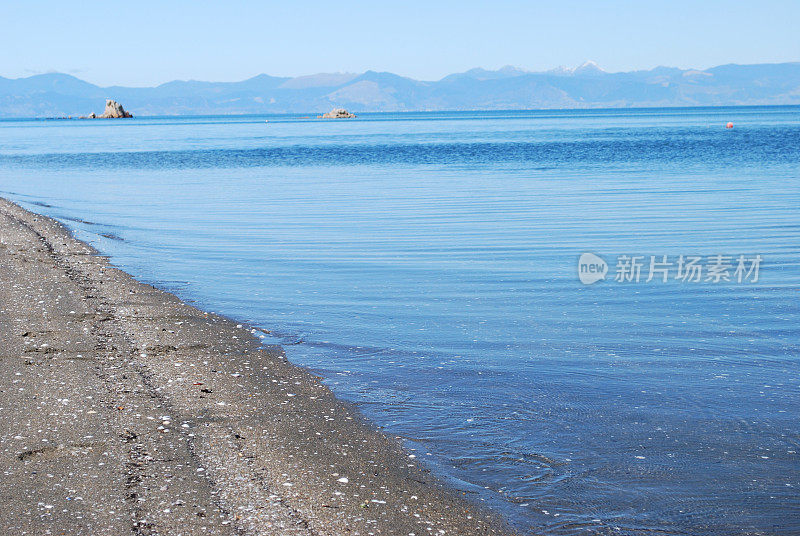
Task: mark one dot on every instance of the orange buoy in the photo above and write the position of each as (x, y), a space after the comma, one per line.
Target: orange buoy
(729, 125)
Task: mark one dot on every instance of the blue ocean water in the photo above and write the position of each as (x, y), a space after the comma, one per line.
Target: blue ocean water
(426, 265)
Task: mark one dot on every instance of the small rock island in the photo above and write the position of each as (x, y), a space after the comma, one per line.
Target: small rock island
(337, 113)
(114, 110)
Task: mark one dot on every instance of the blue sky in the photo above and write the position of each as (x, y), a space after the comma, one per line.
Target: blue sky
(146, 42)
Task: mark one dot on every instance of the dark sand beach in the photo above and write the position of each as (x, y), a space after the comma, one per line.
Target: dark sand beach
(126, 411)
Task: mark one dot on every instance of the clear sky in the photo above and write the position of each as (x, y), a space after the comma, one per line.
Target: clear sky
(149, 42)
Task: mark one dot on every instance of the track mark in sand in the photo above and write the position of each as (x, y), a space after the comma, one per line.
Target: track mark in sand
(58, 451)
(42, 350)
(91, 316)
(47, 358)
(160, 349)
(241, 481)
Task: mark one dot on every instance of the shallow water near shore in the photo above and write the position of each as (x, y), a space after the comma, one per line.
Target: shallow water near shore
(427, 266)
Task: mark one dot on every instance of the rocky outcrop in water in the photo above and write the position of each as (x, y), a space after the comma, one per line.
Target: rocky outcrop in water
(114, 110)
(337, 113)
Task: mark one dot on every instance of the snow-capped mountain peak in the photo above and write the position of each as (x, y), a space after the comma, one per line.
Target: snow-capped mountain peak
(586, 68)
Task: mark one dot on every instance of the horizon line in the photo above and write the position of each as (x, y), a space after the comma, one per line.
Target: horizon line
(307, 114)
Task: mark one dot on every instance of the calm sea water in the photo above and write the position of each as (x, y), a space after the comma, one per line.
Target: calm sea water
(426, 266)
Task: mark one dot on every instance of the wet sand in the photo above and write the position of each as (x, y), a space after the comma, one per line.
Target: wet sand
(126, 411)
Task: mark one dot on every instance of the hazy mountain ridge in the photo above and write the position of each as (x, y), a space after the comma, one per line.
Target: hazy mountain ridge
(586, 86)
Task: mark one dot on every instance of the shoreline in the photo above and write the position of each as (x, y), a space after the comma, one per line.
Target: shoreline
(125, 410)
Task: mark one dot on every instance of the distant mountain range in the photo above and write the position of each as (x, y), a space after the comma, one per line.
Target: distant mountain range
(586, 86)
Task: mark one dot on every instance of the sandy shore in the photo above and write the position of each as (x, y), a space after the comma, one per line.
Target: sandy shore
(125, 411)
